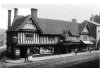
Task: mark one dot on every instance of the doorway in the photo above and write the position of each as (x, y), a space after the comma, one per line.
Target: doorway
(23, 52)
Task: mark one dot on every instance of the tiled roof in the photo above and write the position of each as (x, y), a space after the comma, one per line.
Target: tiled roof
(49, 26)
(92, 28)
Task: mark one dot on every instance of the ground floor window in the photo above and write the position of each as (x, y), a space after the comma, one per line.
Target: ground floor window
(41, 50)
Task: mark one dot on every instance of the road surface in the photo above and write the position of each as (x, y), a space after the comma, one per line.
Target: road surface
(79, 61)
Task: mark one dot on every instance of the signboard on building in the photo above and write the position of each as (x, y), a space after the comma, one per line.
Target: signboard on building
(17, 51)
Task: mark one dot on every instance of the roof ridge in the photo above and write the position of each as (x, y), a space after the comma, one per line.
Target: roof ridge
(54, 19)
(94, 22)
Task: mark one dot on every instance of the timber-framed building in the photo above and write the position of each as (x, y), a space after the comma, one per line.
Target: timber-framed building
(30, 34)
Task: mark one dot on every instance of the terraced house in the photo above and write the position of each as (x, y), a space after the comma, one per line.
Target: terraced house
(30, 34)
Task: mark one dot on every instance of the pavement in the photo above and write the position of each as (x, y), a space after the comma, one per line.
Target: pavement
(32, 59)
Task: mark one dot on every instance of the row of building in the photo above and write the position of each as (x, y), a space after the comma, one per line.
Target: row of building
(32, 35)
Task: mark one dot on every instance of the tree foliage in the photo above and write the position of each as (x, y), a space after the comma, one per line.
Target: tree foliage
(97, 18)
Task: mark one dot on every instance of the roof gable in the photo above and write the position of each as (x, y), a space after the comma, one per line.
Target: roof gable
(19, 23)
(90, 26)
(85, 30)
(29, 25)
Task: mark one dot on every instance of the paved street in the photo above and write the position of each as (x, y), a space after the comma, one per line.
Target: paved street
(77, 61)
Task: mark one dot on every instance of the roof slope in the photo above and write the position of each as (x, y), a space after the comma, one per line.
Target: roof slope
(92, 28)
(82, 25)
(17, 22)
(49, 26)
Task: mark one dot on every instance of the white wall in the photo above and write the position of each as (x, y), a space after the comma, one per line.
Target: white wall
(98, 32)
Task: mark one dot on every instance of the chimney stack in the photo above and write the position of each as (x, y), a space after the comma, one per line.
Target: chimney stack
(74, 20)
(15, 12)
(9, 18)
(34, 12)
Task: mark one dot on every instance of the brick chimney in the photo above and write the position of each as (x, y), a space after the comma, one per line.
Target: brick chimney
(15, 12)
(74, 20)
(34, 12)
(9, 19)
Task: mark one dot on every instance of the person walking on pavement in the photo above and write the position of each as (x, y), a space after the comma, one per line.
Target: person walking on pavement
(76, 50)
(26, 58)
(90, 49)
(26, 55)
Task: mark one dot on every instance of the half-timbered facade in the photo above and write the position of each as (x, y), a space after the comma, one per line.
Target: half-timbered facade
(30, 34)
(87, 30)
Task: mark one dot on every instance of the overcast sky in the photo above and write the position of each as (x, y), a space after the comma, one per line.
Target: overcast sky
(52, 9)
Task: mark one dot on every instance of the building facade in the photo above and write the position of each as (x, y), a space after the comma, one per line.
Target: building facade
(32, 35)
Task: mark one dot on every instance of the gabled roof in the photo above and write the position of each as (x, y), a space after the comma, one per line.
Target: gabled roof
(91, 27)
(48, 26)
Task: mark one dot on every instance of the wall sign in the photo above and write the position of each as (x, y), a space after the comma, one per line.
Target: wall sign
(17, 51)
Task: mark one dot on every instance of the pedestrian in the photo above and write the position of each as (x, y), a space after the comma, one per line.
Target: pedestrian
(26, 55)
(76, 50)
(90, 49)
(26, 58)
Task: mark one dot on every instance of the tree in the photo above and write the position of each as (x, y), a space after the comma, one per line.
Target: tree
(97, 18)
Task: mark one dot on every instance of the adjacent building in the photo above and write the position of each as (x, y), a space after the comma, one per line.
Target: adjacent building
(89, 33)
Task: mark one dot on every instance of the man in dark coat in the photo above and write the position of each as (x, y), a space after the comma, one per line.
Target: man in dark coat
(26, 56)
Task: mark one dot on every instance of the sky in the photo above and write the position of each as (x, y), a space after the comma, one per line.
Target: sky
(52, 9)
